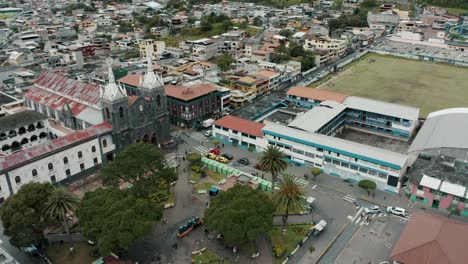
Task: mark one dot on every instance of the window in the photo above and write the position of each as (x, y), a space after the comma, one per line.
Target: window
(107, 113)
(82, 167)
(435, 192)
(336, 162)
(353, 167)
(80, 154)
(318, 156)
(252, 137)
(234, 131)
(51, 166)
(319, 150)
(104, 143)
(158, 100)
(65, 160)
(95, 161)
(52, 179)
(68, 173)
(310, 155)
(344, 164)
(18, 180)
(373, 173)
(382, 175)
(34, 173)
(121, 112)
(363, 170)
(244, 135)
(443, 194)
(93, 149)
(327, 160)
(420, 187)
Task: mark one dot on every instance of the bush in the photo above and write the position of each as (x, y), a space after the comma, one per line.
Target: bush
(195, 168)
(194, 158)
(216, 142)
(251, 148)
(315, 171)
(298, 229)
(279, 251)
(311, 249)
(367, 184)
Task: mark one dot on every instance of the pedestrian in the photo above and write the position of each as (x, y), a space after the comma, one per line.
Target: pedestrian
(185, 152)
(175, 245)
(373, 195)
(222, 145)
(183, 158)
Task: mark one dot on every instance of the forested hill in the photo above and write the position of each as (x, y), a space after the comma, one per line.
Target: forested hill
(462, 4)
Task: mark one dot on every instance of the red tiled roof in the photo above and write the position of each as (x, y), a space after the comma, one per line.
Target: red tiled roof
(316, 94)
(432, 239)
(69, 88)
(53, 100)
(240, 124)
(132, 99)
(132, 80)
(23, 156)
(188, 93)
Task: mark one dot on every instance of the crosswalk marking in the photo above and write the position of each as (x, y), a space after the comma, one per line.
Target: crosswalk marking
(357, 214)
(349, 198)
(313, 187)
(202, 149)
(197, 136)
(301, 182)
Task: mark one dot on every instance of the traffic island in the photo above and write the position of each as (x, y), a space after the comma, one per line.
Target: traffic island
(284, 244)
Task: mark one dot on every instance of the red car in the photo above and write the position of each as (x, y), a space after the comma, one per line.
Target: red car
(215, 151)
(259, 167)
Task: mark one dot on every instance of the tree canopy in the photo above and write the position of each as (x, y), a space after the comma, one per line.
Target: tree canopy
(137, 164)
(241, 214)
(367, 184)
(272, 159)
(290, 197)
(21, 214)
(60, 202)
(115, 219)
(224, 61)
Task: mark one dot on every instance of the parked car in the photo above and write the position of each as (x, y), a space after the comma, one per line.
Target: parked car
(228, 156)
(396, 211)
(208, 133)
(222, 159)
(374, 209)
(215, 151)
(259, 166)
(211, 156)
(243, 161)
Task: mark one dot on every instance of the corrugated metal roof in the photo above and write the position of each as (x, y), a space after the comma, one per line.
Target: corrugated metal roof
(430, 182)
(365, 152)
(452, 188)
(383, 108)
(318, 116)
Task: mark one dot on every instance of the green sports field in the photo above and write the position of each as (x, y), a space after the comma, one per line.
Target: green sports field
(427, 85)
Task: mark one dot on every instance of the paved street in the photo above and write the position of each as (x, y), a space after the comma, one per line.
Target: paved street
(19, 255)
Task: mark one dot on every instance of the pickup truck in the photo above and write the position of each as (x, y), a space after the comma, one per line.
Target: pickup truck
(319, 227)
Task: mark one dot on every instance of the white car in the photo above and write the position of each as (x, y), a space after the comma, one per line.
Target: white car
(396, 210)
(374, 209)
(208, 133)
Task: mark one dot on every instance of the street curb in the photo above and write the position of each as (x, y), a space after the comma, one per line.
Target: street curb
(333, 241)
(349, 242)
(365, 199)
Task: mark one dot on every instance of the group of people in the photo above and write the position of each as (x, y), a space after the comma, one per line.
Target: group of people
(366, 218)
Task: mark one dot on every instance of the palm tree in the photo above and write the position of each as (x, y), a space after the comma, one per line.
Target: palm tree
(272, 159)
(291, 196)
(59, 203)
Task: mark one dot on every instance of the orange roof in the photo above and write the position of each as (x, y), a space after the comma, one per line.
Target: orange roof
(432, 239)
(240, 124)
(132, 80)
(267, 74)
(132, 99)
(316, 94)
(188, 93)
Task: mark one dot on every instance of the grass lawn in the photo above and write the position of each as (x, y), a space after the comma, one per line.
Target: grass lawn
(59, 254)
(214, 175)
(294, 234)
(194, 176)
(282, 211)
(6, 16)
(456, 11)
(207, 257)
(204, 186)
(427, 85)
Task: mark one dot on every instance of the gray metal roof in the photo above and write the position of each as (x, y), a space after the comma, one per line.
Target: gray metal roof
(20, 119)
(318, 116)
(383, 108)
(444, 132)
(372, 153)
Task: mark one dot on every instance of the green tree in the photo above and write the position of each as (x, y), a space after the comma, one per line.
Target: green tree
(258, 21)
(61, 202)
(138, 164)
(224, 61)
(241, 214)
(194, 158)
(205, 26)
(215, 142)
(315, 172)
(367, 184)
(285, 33)
(290, 197)
(272, 159)
(226, 25)
(307, 63)
(115, 219)
(21, 214)
(167, 175)
(453, 210)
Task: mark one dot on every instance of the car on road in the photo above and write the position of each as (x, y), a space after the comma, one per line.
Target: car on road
(374, 209)
(396, 210)
(259, 166)
(222, 159)
(228, 156)
(211, 156)
(208, 133)
(243, 161)
(215, 151)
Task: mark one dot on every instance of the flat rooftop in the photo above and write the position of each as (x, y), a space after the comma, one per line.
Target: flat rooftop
(318, 116)
(374, 140)
(282, 116)
(260, 107)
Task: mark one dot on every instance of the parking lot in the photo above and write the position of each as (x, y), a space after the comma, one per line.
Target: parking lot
(373, 243)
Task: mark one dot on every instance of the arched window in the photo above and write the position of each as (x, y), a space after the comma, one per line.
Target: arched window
(51, 166)
(5, 147)
(15, 146)
(158, 100)
(65, 160)
(33, 138)
(93, 149)
(34, 173)
(12, 133)
(22, 130)
(31, 128)
(3, 136)
(24, 141)
(80, 154)
(18, 180)
(107, 114)
(39, 125)
(121, 112)
(104, 143)
(42, 135)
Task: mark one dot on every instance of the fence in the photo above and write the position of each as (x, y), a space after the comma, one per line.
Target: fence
(421, 57)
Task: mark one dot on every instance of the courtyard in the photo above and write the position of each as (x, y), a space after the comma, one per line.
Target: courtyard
(427, 85)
